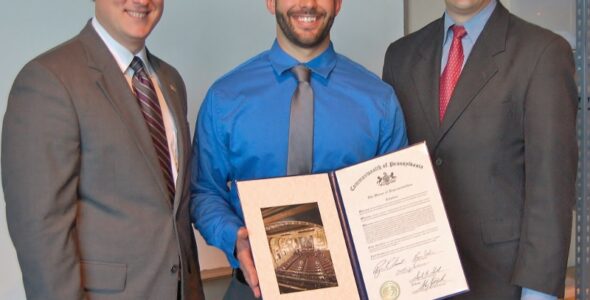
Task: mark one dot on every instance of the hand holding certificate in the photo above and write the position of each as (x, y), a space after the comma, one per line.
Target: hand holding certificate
(375, 230)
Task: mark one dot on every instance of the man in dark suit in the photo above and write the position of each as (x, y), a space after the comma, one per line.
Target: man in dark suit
(95, 146)
(495, 99)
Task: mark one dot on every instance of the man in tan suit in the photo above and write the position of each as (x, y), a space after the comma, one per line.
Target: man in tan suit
(95, 147)
(495, 99)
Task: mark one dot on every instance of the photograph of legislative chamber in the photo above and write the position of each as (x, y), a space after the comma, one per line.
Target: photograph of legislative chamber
(299, 248)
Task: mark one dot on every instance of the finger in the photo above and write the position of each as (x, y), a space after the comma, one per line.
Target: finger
(252, 276)
(246, 262)
(249, 270)
(242, 233)
(253, 281)
(256, 291)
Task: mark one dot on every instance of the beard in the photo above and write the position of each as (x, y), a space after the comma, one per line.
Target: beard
(296, 39)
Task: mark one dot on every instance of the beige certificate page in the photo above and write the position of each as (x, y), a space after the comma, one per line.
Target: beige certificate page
(296, 238)
(399, 226)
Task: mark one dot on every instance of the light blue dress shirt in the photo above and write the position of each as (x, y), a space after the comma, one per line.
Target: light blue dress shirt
(243, 127)
(474, 27)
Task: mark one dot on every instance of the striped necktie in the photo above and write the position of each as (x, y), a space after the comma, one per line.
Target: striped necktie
(150, 108)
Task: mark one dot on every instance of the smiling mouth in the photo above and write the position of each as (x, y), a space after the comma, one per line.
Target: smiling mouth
(307, 16)
(306, 19)
(137, 14)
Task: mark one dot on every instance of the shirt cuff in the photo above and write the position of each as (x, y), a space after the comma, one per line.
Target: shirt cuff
(528, 294)
(230, 236)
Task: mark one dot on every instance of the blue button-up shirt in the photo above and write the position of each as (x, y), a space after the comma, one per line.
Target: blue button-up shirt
(243, 128)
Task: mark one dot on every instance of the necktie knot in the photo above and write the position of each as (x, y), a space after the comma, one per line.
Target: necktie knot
(301, 72)
(136, 65)
(459, 32)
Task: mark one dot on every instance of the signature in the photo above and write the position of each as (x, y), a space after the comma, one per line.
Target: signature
(422, 255)
(409, 269)
(386, 265)
(433, 281)
(426, 274)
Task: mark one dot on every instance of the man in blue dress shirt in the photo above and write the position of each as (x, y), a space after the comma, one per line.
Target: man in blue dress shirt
(242, 131)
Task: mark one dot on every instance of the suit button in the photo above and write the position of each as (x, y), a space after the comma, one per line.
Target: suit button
(174, 269)
(439, 162)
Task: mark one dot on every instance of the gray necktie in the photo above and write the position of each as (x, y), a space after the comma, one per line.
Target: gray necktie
(301, 125)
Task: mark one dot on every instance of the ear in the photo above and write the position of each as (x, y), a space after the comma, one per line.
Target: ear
(270, 6)
(337, 5)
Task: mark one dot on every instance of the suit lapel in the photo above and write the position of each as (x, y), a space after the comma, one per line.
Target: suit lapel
(479, 68)
(113, 84)
(426, 85)
(173, 100)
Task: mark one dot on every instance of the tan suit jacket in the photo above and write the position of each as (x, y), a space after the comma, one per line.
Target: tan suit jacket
(85, 197)
(505, 154)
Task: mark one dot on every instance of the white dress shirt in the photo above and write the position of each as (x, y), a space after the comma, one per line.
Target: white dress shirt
(124, 57)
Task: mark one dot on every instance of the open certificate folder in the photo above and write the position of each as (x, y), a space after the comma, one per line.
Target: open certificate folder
(375, 230)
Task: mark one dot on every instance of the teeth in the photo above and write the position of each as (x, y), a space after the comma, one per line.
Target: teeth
(137, 14)
(307, 19)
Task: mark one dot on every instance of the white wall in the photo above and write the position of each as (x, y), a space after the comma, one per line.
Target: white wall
(203, 39)
(422, 12)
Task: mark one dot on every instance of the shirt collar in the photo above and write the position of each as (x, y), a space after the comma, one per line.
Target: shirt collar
(473, 26)
(121, 54)
(321, 65)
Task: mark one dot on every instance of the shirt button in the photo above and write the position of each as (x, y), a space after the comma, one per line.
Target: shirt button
(174, 269)
(439, 162)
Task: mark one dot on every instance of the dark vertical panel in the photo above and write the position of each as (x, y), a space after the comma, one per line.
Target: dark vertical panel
(583, 201)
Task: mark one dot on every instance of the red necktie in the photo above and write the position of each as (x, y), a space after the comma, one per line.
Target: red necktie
(452, 71)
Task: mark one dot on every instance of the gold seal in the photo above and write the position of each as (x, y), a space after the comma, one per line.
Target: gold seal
(389, 290)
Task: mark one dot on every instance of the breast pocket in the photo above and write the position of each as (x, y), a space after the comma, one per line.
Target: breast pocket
(488, 123)
(494, 109)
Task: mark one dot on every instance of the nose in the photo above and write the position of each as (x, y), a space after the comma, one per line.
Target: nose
(142, 2)
(307, 3)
